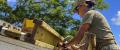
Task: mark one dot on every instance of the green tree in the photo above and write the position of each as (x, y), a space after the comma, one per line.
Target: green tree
(54, 12)
(100, 4)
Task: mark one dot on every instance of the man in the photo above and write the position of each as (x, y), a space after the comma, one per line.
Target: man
(95, 23)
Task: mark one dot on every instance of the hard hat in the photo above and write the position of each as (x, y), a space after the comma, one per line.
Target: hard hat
(84, 1)
(89, 2)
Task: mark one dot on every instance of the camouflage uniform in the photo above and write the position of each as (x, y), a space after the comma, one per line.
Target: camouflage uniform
(100, 27)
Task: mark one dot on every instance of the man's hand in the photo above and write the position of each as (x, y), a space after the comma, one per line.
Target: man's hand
(63, 46)
(82, 29)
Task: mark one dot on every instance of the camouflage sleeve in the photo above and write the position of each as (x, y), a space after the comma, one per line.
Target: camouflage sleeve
(88, 18)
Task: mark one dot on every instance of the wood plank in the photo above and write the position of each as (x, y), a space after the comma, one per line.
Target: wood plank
(48, 28)
(13, 42)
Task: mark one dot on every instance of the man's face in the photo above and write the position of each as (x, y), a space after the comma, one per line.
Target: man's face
(80, 9)
(76, 10)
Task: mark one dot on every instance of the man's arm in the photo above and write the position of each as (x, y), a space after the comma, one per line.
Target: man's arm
(79, 35)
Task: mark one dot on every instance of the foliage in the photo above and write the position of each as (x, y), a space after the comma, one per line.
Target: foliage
(100, 4)
(6, 12)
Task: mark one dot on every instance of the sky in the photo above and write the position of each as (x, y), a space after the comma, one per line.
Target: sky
(12, 3)
(112, 15)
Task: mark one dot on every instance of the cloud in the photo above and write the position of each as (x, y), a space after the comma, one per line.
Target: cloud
(116, 20)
